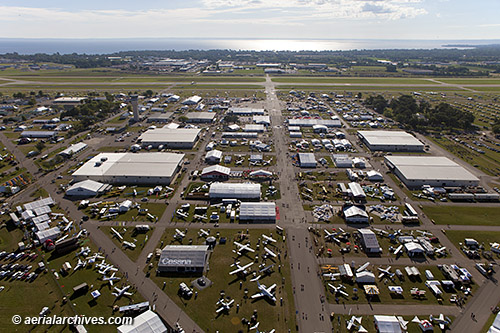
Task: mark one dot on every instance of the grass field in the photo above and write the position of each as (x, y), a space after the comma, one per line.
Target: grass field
(347, 87)
(483, 237)
(279, 317)
(463, 214)
(130, 235)
(129, 79)
(361, 80)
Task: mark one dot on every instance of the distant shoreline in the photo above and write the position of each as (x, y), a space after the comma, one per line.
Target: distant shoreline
(113, 45)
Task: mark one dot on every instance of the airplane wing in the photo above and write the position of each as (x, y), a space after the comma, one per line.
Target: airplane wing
(219, 309)
(236, 271)
(257, 295)
(127, 293)
(271, 288)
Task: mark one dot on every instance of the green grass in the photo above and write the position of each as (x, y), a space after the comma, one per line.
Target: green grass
(361, 80)
(463, 81)
(202, 308)
(156, 209)
(483, 237)
(463, 214)
(366, 88)
(221, 86)
(129, 235)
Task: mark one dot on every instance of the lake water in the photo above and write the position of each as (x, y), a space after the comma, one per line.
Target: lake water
(96, 46)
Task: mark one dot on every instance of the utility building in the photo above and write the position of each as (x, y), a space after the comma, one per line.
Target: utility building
(307, 160)
(369, 241)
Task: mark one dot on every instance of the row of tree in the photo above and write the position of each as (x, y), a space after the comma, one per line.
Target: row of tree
(90, 113)
(421, 115)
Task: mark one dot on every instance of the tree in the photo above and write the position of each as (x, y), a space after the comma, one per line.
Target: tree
(183, 119)
(40, 146)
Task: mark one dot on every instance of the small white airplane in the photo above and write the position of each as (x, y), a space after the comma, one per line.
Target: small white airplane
(403, 323)
(381, 232)
(338, 290)
(129, 244)
(256, 328)
(84, 251)
(105, 268)
(423, 322)
(80, 264)
(398, 249)
(67, 227)
(241, 269)
(265, 292)
(352, 323)
(442, 321)
(242, 248)
(223, 305)
(269, 252)
(81, 232)
(110, 278)
(116, 234)
(385, 272)
(269, 238)
(425, 233)
(441, 251)
(204, 233)
(363, 267)
(93, 258)
(122, 292)
(179, 234)
(332, 276)
(181, 214)
(331, 236)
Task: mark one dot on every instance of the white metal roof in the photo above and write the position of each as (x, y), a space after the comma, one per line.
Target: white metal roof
(390, 138)
(216, 168)
(200, 115)
(214, 153)
(167, 135)
(73, 149)
(387, 324)
(146, 322)
(312, 122)
(357, 190)
(369, 238)
(355, 211)
(39, 203)
(235, 190)
(254, 128)
(262, 119)
(429, 168)
(131, 164)
(256, 210)
(307, 158)
(86, 185)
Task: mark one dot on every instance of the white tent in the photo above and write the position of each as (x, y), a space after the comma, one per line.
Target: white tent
(495, 327)
(365, 277)
(387, 324)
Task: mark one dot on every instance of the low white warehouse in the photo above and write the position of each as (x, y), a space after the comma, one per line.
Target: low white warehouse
(264, 212)
(249, 191)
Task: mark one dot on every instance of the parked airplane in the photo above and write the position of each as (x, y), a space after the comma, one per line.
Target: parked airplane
(363, 267)
(269, 252)
(92, 259)
(242, 248)
(269, 238)
(441, 251)
(241, 269)
(129, 244)
(116, 234)
(352, 323)
(84, 251)
(181, 214)
(223, 305)
(256, 328)
(80, 264)
(338, 290)
(179, 235)
(425, 233)
(442, 321)
(204, 233)
(110, 278)
(331, 236)
(122, 292)
(385, 272)
(265, 292)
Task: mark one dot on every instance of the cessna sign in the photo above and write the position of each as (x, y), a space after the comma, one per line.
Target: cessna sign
(175, 262)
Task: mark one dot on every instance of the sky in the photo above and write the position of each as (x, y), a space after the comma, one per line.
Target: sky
(280, 19)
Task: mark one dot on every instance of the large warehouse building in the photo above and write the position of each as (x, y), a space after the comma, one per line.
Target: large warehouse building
(416, 171)
(248, 191)
(179, 138)
(263, 212)
(390, 141)
(130, 168)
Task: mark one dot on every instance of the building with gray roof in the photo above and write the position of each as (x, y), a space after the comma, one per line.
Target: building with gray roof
(255, 212)
(390, 141)
(415, 171)
(179, 138)
(191, 259)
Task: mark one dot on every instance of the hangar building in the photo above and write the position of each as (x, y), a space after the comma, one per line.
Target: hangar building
(416, 171)
(179, 138)
(130, 168)
(183, 259)
(390, 141)
(263, 212)
(249, 191)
